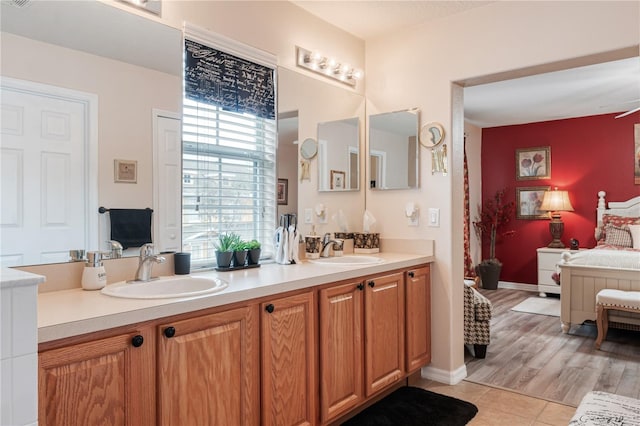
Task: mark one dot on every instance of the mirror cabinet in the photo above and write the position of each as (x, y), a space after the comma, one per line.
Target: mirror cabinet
(393, 150)
(339, 155)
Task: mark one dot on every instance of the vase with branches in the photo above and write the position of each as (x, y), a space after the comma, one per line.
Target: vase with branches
(493, 215)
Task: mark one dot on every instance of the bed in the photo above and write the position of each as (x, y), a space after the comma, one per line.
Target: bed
(613, 263)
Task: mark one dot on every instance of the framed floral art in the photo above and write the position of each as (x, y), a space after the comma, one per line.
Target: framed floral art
(528, 202)
(533, 163)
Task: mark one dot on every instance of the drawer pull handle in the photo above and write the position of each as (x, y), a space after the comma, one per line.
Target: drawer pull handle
(169, 332)
(372, 284)
(137, 341)
(270, 308)
(360, 286)
(412, 274)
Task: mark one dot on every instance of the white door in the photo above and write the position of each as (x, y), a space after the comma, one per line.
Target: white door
(167, 181)
(43, 200)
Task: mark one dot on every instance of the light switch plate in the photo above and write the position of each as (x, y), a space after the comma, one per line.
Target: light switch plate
(434, 217)
(324, 217)
(308, 216)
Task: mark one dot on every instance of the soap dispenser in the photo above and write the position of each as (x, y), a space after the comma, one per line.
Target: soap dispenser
(94, 277)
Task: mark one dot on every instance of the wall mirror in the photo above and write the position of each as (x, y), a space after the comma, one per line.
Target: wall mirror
(138, 67)
(338, 156)
(393, 150)
(308, 148)
(314, 101)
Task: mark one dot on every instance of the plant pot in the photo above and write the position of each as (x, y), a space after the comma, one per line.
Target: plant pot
(239, 258)
(489, 274)
(223, 259)
(253, 257)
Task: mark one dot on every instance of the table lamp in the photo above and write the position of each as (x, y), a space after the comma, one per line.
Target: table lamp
(555, 202)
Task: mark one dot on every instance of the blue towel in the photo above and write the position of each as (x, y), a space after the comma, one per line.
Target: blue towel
(131, 227)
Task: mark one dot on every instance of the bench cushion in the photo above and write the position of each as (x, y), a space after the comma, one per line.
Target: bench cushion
(612, 297)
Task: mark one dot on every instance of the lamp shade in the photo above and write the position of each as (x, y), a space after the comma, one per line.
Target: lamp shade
(556, 201)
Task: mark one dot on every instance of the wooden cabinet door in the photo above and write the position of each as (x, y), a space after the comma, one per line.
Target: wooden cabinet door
(208, 369)
(418, 318)
(289, 367)
(341, 349)
(384, 331)
(103, 382)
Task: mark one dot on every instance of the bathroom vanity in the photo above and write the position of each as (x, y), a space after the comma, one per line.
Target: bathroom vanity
(281, 344)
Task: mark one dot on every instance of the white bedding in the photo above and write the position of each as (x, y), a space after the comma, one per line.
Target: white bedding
(602, 258)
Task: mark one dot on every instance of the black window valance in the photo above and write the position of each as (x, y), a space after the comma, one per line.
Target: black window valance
(225, 80)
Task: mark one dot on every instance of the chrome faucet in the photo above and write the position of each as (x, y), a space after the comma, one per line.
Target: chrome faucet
(146, 261)
(326, 241)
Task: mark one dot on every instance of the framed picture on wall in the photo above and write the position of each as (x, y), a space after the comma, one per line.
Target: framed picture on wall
(283, 192)
(125, 171)
(337, 179)
(533, 163)
(528, 202)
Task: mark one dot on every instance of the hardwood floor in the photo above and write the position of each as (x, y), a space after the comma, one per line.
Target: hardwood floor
(529, 354)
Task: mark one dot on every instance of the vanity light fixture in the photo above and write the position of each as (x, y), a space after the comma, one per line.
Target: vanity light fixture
(329, 67)
(153, 6)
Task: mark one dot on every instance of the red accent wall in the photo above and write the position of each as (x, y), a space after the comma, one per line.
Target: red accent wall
(588, 154)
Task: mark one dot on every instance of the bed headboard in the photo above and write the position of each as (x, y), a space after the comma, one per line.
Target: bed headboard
(629, 208)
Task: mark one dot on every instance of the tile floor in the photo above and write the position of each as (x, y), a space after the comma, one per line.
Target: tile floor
(497, 407)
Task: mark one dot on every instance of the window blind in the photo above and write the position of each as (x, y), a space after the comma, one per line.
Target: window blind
(229, 162)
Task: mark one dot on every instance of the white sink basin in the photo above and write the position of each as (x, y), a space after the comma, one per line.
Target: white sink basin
(165, 287)
(347, 260)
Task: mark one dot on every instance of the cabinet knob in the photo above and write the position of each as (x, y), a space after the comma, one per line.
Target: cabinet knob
(169, 332)
(412, 274)
(270, 308)
(371, 284)
(137, 341)
(360, 286)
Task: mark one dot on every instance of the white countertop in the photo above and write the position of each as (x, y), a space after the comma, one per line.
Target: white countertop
(15, 278)
(73, 312)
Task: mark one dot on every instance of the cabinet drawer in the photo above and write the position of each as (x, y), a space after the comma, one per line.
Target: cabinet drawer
(544, 276)
(548, 261)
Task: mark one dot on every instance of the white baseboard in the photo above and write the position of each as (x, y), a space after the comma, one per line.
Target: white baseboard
(518, 286)
(444, 376)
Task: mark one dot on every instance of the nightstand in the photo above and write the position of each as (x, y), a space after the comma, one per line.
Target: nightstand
(547, 260)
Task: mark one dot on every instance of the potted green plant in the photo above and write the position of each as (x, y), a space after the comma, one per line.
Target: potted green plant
(492, 217)
(224, 249)
(253, 248)
(239, 253)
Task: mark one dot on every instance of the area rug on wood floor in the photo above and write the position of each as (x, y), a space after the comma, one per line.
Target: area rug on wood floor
(411, 406)
(539, 305)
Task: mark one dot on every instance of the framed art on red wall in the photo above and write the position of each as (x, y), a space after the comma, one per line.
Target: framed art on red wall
(528, 202)
(533, 163)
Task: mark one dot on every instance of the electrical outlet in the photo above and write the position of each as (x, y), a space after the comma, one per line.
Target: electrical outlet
(308, 216)
(434, 217)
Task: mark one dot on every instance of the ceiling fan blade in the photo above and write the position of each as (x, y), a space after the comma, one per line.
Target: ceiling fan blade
(624, 114)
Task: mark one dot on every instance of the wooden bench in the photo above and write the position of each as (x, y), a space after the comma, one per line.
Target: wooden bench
(619, 300)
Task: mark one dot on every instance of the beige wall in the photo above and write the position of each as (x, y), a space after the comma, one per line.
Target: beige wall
(501, 37)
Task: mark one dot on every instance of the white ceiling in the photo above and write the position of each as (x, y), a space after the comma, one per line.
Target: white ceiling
(591, 90)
